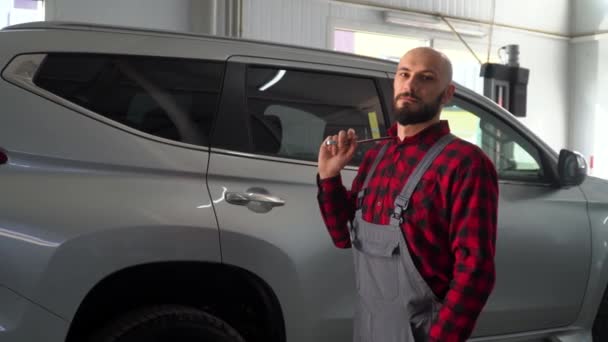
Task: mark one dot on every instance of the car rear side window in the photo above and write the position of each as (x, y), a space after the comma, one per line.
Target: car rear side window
(292, 111)
(167, 97)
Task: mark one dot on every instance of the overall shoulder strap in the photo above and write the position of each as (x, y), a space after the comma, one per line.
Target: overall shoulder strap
(370, 174)
(402, 200)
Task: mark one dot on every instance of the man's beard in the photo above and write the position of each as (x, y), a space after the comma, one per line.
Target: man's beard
(409, 116)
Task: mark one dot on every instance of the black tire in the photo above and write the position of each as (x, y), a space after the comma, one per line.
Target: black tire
(167, 323)
(600, 325)
(600, 328)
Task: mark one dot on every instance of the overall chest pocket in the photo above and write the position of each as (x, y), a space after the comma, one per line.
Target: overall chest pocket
(377, 264)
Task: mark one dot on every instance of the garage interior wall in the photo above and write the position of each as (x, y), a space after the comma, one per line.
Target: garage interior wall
(588, 83)
(215, 17)
(14, 12)
(310, 23)
(160, 14)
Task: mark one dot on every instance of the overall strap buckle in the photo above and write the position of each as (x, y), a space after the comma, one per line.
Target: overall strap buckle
(401, 205)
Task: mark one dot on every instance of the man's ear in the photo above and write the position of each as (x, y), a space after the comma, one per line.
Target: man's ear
(448, 94)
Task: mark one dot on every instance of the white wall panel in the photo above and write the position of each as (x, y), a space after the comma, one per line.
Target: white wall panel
(303, 21)
(300, 22)
(588, 84)
(584, 79)
(589, 16)
(552, 16)
(478, 9)
(549, 88)
(162, 14)
(589, 107)
(549, 15)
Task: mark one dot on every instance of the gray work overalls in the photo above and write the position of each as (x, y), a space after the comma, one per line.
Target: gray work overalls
(395, 304)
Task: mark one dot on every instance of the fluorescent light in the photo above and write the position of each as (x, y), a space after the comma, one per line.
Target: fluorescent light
(430, 22)
(410, 19)
(273, 81)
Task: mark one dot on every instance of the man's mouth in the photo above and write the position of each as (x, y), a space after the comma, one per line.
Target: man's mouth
(407, 99)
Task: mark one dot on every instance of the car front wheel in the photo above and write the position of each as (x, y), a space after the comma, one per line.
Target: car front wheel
(167, 324)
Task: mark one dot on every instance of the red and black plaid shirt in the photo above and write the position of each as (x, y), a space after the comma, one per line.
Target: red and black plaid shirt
(450, 227)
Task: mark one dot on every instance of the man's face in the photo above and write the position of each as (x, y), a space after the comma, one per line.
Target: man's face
(418, 111)
(421, 87)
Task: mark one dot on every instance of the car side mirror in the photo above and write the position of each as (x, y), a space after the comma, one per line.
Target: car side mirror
(572, 168)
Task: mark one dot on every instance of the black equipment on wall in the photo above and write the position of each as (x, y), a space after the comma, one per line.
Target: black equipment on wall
(507, 83)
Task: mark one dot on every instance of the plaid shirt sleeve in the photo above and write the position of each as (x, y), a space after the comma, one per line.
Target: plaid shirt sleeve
(473, 231)
(337, 204)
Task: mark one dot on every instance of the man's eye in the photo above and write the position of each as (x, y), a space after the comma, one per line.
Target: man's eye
(427, 78)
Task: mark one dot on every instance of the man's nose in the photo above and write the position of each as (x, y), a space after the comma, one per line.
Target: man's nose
(406, 86)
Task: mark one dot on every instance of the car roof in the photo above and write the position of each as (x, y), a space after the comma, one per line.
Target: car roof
(339, 58)
(279, 50)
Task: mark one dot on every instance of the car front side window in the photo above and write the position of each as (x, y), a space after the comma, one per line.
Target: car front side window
(292, 111)
(514, 156)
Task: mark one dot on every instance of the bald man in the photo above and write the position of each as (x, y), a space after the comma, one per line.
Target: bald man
(421, 215)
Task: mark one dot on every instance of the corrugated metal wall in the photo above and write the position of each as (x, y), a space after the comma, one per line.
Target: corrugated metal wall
(475, 9)
(276, 20)
(304, 22)
(301, 22)
(162, 14)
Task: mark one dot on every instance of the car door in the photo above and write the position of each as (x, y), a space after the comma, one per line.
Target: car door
(262, 175)
(543, 238)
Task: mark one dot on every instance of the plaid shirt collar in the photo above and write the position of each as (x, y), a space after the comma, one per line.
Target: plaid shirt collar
(427, 136)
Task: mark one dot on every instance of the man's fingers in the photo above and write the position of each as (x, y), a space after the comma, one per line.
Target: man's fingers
(324, 151)
(333, 148)
(342, 141)
(350, 134)
(351, 137)
(352, 147)
(351, 144)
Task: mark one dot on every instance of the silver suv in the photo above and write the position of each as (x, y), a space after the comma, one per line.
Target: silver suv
(157, 184)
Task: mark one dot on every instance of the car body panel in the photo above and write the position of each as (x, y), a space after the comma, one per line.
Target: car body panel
(76, 179)
(22, 320)
(542, 258)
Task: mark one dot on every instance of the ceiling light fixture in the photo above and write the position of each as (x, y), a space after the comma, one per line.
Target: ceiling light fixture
(432, 22)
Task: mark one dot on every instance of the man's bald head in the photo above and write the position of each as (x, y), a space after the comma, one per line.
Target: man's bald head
(432, 59)
(422, 85)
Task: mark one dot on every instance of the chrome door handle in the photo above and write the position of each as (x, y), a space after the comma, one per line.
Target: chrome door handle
(245, 198)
